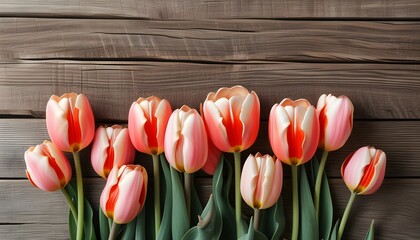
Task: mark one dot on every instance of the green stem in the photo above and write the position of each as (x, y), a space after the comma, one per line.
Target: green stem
(295, 229)
(346, 215)
(238, 200)
(187, 193)
(70, 203)
(113, 232)
(318, 181)
(256, 218)
(156, 181)
(80, 198)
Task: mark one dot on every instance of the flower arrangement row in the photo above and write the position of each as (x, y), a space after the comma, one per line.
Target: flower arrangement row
(186, 140)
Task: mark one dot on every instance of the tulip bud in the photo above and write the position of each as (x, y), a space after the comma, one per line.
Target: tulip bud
(261, 181)
(111, 147)
(233, 115)
(293, 131)
(147, 120)
(186, 145)
(47, 167)
(335, 121)
(70, 122)
(363, 171)
(124, 194)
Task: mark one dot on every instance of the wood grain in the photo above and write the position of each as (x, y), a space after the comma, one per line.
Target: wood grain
(190, 9)
(27, 206)
(400, 141)
(210, 40)
(378, 91)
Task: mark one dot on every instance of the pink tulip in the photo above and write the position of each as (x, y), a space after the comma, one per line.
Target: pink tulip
(70, 122)
(186, 145)
(363, 171)
(124, 194)
(293, 131)
(147, 120)
(261, 181)
(213, 158)
(111, 147)
(47, 167)
(233, 115)
(335, 120)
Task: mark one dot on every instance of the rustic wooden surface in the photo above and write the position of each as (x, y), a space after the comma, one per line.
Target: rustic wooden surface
(117, 51)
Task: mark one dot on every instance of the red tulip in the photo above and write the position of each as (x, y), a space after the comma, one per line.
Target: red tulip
(47, 167)
(147, 120)
(111, 147)
(363, 171)
(293, 131)
(233, 115)
(261, 181)
(124, 194)
(186, 145)
(70, 122)
(213, 158)
(335, 120)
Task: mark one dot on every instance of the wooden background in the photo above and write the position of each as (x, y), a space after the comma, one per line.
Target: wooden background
(117, 51)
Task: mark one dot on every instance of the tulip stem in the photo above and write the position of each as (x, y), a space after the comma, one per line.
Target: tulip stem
(295, 229)
(318, 181)
(238, 200)
(346, 215)
(156, 182)
(113, 232)
(80, 198)
(187, 192)
(256, 218)
(70, 203)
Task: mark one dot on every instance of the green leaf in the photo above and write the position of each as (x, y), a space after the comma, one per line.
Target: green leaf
(273, 220)
(165, 230)
(253, 234)
(221, 186)
(196, 207)
(325, 203)
(129, 230)
(180, 223)
(140, 233)
(308, 227)
(72, 227)
(371, 232)
(333, 235)
(103, 225)
(208, 226)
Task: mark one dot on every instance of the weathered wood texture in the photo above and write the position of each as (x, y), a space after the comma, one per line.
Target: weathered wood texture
(378, 91)
(398, 222)
(210, 41)
(400, 140)
(190, 9)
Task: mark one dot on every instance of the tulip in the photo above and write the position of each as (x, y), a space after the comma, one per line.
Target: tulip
(261, 181)
(233, 115)
(335, 120)
(47, 167)
(186, 145)
(293, 131)
(71, 127)
(213, 158)
(111, 147)
(147, 120)
(363, 172)
(70, 122)
(124, 194)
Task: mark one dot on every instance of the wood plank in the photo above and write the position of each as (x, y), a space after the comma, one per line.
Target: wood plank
(378, 91)
(21, 203)
(399, 139)
(34, 231)
(210, 40)
(190, 9)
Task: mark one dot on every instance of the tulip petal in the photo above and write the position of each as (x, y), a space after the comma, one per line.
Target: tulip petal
(250, 118)
(278, 124)
(99, 151)
(353, 170)
(42, 174)
(214, 120)
(195, 145)
(136, 123)
(57, 124)
(127, 205)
